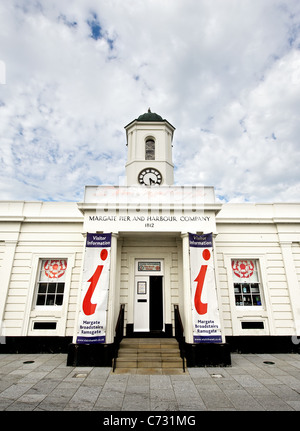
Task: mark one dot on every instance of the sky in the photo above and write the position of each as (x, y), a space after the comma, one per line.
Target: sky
(224, 73)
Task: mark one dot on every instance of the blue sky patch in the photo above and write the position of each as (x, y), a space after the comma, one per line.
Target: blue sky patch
(97, 31)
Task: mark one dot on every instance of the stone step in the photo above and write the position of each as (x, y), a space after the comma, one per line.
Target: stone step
(149, 347)
(149, 353)
(144, 356)
(150, 356)
(150, 371)
(149, 363)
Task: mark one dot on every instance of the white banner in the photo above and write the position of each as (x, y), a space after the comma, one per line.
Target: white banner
(95, 286)
(206, 319)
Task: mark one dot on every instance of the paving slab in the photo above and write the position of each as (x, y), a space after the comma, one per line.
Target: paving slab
(43, 382)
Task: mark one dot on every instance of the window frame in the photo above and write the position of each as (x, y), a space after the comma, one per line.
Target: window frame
(254, 313)
(152, 140)
(51, 281)
(249, 294)
(58, 314)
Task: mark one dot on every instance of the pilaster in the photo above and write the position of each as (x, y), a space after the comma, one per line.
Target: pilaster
(292, 282)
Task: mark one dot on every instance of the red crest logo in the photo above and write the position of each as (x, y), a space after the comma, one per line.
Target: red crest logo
(243, 268)
(55, 268)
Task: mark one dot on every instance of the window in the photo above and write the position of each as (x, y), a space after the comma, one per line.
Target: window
(246, 282)
(51, 282)
(150, 149)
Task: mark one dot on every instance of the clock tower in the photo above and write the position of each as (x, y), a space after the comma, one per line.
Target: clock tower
(149, 159)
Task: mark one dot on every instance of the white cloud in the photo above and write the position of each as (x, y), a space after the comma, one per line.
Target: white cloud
(223, 72)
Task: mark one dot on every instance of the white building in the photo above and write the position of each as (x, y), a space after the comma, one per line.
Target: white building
(61, 292)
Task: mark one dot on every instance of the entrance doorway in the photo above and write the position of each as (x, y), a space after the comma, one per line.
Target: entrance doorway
(149, 296)
(156, 303)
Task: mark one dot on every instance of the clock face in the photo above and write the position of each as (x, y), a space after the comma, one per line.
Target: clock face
(150, 177)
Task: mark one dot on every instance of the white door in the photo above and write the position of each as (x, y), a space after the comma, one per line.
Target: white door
(141, 306)
(145, 269)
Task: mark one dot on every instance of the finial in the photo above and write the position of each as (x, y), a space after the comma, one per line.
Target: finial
(149, 110)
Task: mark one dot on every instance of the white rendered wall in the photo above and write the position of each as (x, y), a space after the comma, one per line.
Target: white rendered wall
(269, 233)
(31, 231)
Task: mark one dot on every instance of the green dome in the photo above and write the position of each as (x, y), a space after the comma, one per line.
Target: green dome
(150, 116)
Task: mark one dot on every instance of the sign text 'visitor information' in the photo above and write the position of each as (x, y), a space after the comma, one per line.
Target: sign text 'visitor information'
(95, 286)
(206, 320)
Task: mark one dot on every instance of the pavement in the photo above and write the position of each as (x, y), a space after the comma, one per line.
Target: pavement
(254, 382)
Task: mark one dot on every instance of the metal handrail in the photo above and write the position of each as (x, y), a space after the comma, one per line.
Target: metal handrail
(119, 334)
(179, 334)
